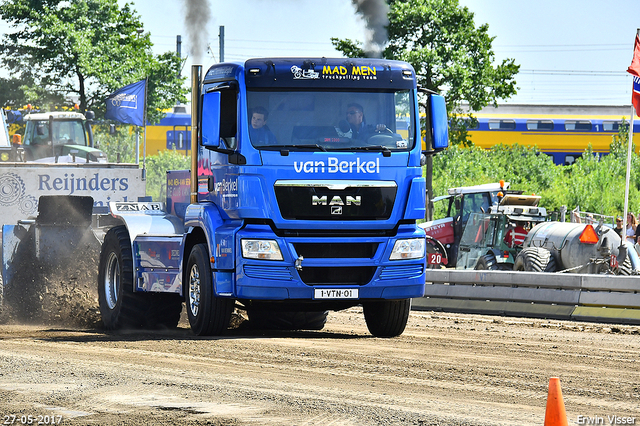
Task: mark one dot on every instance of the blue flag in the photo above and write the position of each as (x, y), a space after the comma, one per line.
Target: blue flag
(127, 105)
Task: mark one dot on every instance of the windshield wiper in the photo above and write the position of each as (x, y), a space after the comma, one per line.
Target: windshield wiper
(307, 146)
(384, 149)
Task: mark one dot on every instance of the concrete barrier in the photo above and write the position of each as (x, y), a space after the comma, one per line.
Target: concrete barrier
(599, 298)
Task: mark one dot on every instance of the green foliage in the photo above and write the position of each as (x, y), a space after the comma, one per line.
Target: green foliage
(450, 55)
(120, 147)
(594, 183)
(157, 167)
(88, 48)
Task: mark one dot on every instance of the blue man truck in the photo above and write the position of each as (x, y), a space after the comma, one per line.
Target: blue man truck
(320, 215)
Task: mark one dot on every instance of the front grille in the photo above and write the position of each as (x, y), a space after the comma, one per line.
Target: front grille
(356, 200)
(358, 275)
(336, 250)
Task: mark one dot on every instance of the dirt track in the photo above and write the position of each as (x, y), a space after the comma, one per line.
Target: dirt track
(446, 369)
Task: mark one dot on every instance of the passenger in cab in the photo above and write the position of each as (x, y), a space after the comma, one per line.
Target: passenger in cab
(259, 131)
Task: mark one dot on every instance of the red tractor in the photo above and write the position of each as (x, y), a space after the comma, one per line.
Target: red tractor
(443, 235)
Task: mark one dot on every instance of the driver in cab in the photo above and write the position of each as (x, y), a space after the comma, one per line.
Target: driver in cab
(358, 125)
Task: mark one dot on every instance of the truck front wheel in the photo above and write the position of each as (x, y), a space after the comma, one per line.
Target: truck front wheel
(120, 306)
(387, 318)
(208, 315)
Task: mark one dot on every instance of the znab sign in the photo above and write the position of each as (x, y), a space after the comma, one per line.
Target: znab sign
(21, 187)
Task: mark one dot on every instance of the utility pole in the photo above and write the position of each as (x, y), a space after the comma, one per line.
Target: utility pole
(221, 43)
(179, 52)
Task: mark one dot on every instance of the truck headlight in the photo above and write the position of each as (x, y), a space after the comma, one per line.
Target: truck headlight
(261, 249)
(408, 249)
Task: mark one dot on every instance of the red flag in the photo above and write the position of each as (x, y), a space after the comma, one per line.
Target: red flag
(635, 94)
(634, 68)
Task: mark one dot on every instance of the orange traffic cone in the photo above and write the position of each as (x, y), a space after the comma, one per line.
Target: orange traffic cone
(556, 414)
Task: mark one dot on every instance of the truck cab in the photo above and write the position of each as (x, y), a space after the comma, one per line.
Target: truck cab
(60, 136)
(296, 205)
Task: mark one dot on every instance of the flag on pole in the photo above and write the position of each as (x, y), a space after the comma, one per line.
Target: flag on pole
(127, 105)
(634, 69)
(635, 96)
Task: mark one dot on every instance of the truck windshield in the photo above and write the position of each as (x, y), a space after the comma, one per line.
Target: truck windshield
(331, 120)
(64, 133)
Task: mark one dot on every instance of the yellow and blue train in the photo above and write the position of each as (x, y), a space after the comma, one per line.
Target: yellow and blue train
(562, 132)
(173, 131)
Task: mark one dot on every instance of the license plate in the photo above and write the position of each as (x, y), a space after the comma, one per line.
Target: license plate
(335, 293)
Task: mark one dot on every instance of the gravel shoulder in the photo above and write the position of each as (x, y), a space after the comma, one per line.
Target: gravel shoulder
(446, 369)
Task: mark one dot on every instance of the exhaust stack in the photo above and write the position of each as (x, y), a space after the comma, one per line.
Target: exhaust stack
(196, 78)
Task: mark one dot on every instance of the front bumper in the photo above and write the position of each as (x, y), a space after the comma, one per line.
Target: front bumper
(329, 262)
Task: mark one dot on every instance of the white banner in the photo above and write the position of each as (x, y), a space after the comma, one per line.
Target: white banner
(21, 186)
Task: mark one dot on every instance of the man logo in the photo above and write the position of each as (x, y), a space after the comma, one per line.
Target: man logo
(336, 200)
(336, 209)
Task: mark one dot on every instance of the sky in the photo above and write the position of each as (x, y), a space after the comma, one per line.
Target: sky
(571, 52)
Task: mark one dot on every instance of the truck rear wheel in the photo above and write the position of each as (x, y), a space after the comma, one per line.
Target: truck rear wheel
(535, 259)
(164, 311)
(208, 315)
(120, 306)
(387, 318)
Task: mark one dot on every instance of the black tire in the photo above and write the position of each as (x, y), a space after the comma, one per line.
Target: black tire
(120, 306)
(487, 262)
(387, 318)
(625, 268)
(277, 320)
(535, 259)
(164, 310)
(208, 315)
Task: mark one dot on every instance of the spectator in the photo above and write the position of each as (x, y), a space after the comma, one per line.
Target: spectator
(618, 227)
(632, 225)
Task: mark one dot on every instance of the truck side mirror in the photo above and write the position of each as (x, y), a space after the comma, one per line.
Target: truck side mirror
(90, 115)
(439, 122)
(112, 129)
(211, 120)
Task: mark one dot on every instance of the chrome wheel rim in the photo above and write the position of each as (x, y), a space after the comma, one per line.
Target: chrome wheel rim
(194, 290)
(112, 280)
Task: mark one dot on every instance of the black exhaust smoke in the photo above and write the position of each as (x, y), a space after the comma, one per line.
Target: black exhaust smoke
(375, 14)
(197, 17)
